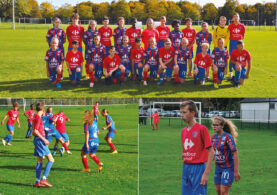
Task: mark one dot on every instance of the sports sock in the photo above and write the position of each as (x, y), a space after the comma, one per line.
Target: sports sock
(237, 76)
(215, 77)
(144, 75)
(157, 127)
(140, 72)
(47, 170)
(85, 162)
(65, 146)
(122, 75)
(153, 127)
(38, 172)
(176, 77)
(114, 80)
(8, 138)
(161, 75)
(78, 76)
(95, 159)
(55, 148)
(87, 68)
(92, 77)
(112, 146)
(58, 79)
(28, 133)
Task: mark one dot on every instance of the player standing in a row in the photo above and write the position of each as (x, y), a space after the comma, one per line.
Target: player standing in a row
(111, 127)
(75, 32)
(176, 35)
(241, 58)
(163, 32)
(133, 32)
(197, 149)
(54, 63)
(226, 154)
(149, 32)
(119, 32)
(30, 117)
(155, 122)
(41, 148)
(221, 32)
(88, 40)
(91, 141)
(106, 34)
(13, 115)
(237, 31)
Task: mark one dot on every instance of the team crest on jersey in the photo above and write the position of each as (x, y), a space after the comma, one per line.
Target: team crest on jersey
(194, 134)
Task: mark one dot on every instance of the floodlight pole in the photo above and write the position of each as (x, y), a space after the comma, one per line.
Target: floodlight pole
(13, 17)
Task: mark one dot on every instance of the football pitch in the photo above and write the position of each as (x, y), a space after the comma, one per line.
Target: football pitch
(160, 159)
(17, 167)
(23, 71)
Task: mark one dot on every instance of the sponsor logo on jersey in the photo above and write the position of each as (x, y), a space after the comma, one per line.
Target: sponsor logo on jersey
(188, 144)
(134, 35)
(106, 34)
(74, 60)
(236, 30)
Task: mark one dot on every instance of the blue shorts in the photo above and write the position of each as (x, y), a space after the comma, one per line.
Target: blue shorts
(127, 71)
(10, 127)
(98, 72)
(136, 67)
(220, 73)
(111, 134)
(201, 74)
(199, 50)
(224, 177)
(232, 47)
(107, 51)
(241, 73)
(72, 77)
(53, 133)
(93, 146)
(30, 125)
(116, 74)
(65, 136)
(160, 44)
(52, 74)
(168, 72)
(153, 71)
(40, 148)
(80, 49)
(182, 71)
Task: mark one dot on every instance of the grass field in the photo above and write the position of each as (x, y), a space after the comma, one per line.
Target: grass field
(17, 167)
(23, 72)
(160, 159)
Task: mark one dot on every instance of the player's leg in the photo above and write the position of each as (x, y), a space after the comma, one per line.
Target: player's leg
(186, 185)
(87, 65)
(94, 157)
(122, 71)
(59, 76)
(8, 138)
(182, 73)
(153, 72)
(157, 126)
(59, 137)
(66, 140)
(201, 75)
(30, 130)
(91, 69)
(242, 76)
(84, 153)
(47, 170)
(55, 147)
(109, 141)
(168, 74)
(161, 73)
(140, 68)
(237, 75)
(207, 73)
(217, 179)
(215, 76)
(145, 73)
(127, 72)
(196, 173)
(98, 73)
(227, 179)
(232, 46)
(78, 75)
(190, 62)
(176, 73)
(38, 170)
(217, 188)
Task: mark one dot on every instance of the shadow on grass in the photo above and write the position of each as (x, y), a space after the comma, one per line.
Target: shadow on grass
(16, 167)
(16, 184)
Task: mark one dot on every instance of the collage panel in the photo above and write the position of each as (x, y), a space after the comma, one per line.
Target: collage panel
(87, 146)
(172, 159)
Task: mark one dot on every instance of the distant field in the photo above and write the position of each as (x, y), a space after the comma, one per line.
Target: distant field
(23, 72)
(160, 159)
(17, 167)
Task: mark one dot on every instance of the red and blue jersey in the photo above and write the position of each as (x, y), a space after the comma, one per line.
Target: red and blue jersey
(96, 55)
(50, 116)
(241, 57)
(183, 55)
(109, 120)
(203, 37)
(176, 37)
(133, 34)
(152, 56)
(58, 33)
(30, 114)
(203, 61)
(224, 146)
(163, 32)
(54, 57)
(92, 130)
(220, 57)
(236, 31)
(118, 33)
(13, 115)
(88, 37)
(124, 53)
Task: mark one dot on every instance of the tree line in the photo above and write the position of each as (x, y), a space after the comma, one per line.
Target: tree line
(142, 9)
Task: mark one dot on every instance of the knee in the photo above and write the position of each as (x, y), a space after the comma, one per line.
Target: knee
(12, 133)
(78, 70)
(140, 65)
(238, 68)
(176, 69)
(91, 68)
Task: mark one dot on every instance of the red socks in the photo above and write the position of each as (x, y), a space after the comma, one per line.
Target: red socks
(114, 81)
(85, 162)
(92, 78)
(153, 127)
(65, 146)
(87, 68)
(176, 77)
(215, 77)
(58, 79)
(122, 76)
(144, 75)
(96, 159)
(157, 127)
(112, 146)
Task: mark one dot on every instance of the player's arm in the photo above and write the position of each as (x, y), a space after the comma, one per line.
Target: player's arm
(161, 62)
(236, 166)
(175, 60)
(248, 69)
(86, 139)
(18, 123)
(4, 119)
(133, 66)
(169, 61)
(110, 124)
(36, 132)
(204, 179)
(69, 71)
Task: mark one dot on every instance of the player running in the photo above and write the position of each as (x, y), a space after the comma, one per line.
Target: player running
(91, 141)
(106, 34)
(202, 62)
(182, 56)
(137, 55)
(163, 32)
(151, 61)
(54, 63)
(149, 32)
(155, 122)
(112, 67)
(88, 41)
(226, 154)
(30, 117)
(237, 31)
(190, 34)
(41, 148)
(74, 61)
(220, 58)
(197, 149)
(95, 58)
(176, 35)
(242, 60)
(119, 32)
(166, 58)
(13, 115)
(111, 126)
(133, 32)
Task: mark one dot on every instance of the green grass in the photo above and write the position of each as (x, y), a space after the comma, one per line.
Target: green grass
(17, 167)
(160, 160)
(23, 72)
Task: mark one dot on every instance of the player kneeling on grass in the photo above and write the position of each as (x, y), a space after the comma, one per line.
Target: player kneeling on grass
(202, 62)
(242, 59)
(166, 56)
(74, 61)
(197, 149)
(91, 141)
(111, 126)
(95, 59)
(156, 118)
(226, 154)
(13, 115)
(41, 148)
(112, 68)
(220, 58)
(182, 55)
(54, 63)
(151, 61)
(137, 54)
(30, 117)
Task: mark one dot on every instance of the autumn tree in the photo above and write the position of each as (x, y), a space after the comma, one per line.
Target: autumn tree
(85, 11)
(46, 10)
(65, 11)
(23, 8)
(120, 8)
(35, 11)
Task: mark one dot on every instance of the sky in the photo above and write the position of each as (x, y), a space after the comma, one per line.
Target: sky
(218, 3)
